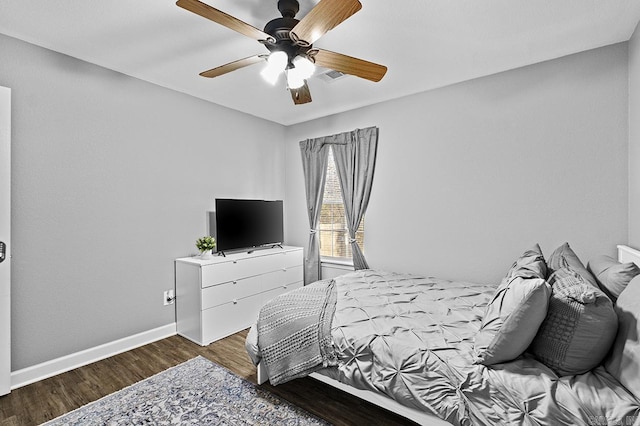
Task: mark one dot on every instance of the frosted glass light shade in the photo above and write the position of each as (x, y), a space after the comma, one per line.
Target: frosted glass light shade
(276, 63)
(294, 79)
(305, 68)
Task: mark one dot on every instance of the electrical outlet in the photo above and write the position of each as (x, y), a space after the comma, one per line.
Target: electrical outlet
(169, 297)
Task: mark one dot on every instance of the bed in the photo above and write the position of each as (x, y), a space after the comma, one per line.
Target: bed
(446, 352)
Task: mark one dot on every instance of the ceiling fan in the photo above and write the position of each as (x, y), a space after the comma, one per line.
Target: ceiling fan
(290, 44)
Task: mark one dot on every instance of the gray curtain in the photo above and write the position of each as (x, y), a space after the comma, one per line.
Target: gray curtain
(355, 157)
(315, 154)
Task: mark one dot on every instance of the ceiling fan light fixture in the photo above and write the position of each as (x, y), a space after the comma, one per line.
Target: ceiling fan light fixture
(270, 76)
(290, 42)
(305, 68)
(294, 79)
(276, 64)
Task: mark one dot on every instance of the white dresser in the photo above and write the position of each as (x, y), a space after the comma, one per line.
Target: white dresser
(221, 296)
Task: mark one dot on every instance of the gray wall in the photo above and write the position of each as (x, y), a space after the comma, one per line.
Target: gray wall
(470, 175)
(112, 177)
(634, 139)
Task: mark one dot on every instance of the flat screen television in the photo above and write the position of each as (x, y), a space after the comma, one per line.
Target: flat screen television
(242, 224)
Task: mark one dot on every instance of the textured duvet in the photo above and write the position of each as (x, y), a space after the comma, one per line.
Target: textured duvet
(411, 338)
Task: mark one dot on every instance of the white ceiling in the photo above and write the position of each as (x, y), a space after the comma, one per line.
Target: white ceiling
(425, 44)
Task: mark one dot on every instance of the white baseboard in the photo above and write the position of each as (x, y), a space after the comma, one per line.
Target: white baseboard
(56, 366)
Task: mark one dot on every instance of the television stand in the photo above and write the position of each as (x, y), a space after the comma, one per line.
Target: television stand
(223, 295)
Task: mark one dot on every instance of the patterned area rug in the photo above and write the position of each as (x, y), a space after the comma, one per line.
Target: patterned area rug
(197, 392)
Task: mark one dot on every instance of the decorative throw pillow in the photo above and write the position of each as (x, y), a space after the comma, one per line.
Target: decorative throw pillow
(580, 326)
(624, 361)
(565, 257)
(611, 275)
(530, 264)
(517, 309)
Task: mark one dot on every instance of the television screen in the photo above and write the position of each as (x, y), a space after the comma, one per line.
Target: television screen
(248, 223)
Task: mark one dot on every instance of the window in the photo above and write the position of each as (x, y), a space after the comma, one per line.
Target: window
(334, 235)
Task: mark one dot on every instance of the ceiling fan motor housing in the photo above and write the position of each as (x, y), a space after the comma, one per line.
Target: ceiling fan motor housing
(288, 8)
(280, 29)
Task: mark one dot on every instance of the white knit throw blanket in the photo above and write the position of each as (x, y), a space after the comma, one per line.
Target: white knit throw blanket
(294, 332)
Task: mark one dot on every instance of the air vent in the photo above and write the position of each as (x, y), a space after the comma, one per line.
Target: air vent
(331, 76)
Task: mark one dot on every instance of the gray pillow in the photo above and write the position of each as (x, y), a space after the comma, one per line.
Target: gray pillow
(530, 264)
(565, 257)
(624, 361)
(579, 328)
(511, 320)
(611, 275)
(517, 309)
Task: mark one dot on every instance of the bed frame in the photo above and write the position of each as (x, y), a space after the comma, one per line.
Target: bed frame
(625, 254)
(420, 417)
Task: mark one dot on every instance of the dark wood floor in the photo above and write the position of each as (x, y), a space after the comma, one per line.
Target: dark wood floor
(50, 398)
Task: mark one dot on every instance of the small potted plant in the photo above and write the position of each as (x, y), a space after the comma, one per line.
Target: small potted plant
(206, 246)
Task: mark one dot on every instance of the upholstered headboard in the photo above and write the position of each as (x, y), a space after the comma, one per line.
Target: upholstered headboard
(627, 254)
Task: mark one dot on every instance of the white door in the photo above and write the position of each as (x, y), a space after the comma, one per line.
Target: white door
(5, 240)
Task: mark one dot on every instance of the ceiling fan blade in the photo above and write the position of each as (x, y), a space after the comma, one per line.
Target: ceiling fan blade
(301, 95)
(222, 18)
(348, 65)
(232, 66)
(325, 16)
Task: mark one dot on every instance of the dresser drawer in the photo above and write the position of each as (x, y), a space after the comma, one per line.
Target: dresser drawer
(268, 295)
(224, 320)
(233, 290)
(293, 258)
(237, 269)
(284, 276)
(237, 289)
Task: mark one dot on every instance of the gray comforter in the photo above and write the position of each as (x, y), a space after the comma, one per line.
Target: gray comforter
(411, 338)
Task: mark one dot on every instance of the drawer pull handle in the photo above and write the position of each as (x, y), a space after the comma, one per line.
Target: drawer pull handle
(284, 286)
(235, 261)
(284, 269)
(235, 301)
(235, 282)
